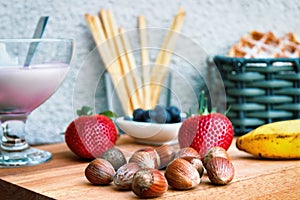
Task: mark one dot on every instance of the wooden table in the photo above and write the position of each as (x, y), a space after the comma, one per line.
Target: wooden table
(63, 178)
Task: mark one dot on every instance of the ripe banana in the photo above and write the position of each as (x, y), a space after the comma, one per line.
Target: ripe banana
(277, 140)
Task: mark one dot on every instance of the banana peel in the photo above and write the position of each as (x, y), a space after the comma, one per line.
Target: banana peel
(277, 140)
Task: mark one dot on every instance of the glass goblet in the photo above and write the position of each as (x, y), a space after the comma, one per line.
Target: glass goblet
(31, 70)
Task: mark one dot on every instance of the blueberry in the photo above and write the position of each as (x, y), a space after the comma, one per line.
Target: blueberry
(175, 113)
(176, 120)
(168, 118)
(160, 115)
(146, 116)
(138, 115)
(153, 114)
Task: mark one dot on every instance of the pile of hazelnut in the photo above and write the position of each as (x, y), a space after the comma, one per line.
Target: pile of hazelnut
(142, 173)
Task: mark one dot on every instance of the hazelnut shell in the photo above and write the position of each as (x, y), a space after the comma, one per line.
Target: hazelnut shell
(99, 172)
(182, 175)
(115, 156)
(166, 154)
(149, 183)
(145, 159)
(196, 162)
(124, 175)
(215, 152)
(187, 152)
(220, 170)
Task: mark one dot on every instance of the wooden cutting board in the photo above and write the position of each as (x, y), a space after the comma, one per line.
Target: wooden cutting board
(63, 178)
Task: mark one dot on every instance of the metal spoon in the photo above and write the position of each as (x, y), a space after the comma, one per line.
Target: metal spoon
(38, 33)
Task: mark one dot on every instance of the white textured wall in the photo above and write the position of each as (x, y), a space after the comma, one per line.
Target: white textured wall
(212, 24)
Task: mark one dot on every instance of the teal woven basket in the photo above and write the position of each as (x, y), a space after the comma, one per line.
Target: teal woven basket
(260, 91)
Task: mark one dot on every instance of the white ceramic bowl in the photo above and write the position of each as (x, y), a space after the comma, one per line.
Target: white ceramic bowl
(150, 133)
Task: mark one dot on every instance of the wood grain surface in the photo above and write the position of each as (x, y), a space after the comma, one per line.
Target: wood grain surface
(63, 178)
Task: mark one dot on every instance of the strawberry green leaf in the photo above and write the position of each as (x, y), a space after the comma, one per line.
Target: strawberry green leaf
(203, 107)
(203, 104)
(227, 110)
(213, 110)
(109, 114)
(201, 101)
(189, 113)
(85, 110)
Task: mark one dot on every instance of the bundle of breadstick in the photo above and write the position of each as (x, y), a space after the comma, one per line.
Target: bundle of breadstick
(135, 89)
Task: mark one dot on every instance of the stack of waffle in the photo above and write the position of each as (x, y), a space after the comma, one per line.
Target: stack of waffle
(266, 45)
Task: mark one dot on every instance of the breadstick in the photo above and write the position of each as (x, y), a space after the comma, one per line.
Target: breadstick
(92, 28)
(160, 68)
(95, 27)
(134, 73)
(145, 62)
(124, 64)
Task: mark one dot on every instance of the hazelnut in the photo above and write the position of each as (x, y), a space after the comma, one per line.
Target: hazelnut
(124, 175)
(220, 170)
(187, 151)
(196, 162)
(99, 172)
(146, 148)
(182, 175)
(166, 154)
(146, 158)
(115, 156)
(149, 183)
(215, 152)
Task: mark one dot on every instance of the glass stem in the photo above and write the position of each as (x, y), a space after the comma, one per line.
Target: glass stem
(13, 138)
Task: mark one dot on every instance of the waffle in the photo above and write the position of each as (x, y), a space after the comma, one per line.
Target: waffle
(266, 45)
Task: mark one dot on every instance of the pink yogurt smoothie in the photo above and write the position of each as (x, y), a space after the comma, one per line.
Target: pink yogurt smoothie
(24, 89)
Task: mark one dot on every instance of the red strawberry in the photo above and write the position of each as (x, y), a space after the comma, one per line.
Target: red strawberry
(205, 131)
(89, 136)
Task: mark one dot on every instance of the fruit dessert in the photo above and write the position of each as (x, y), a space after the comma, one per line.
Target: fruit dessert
(266, 45)
(23, 89)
